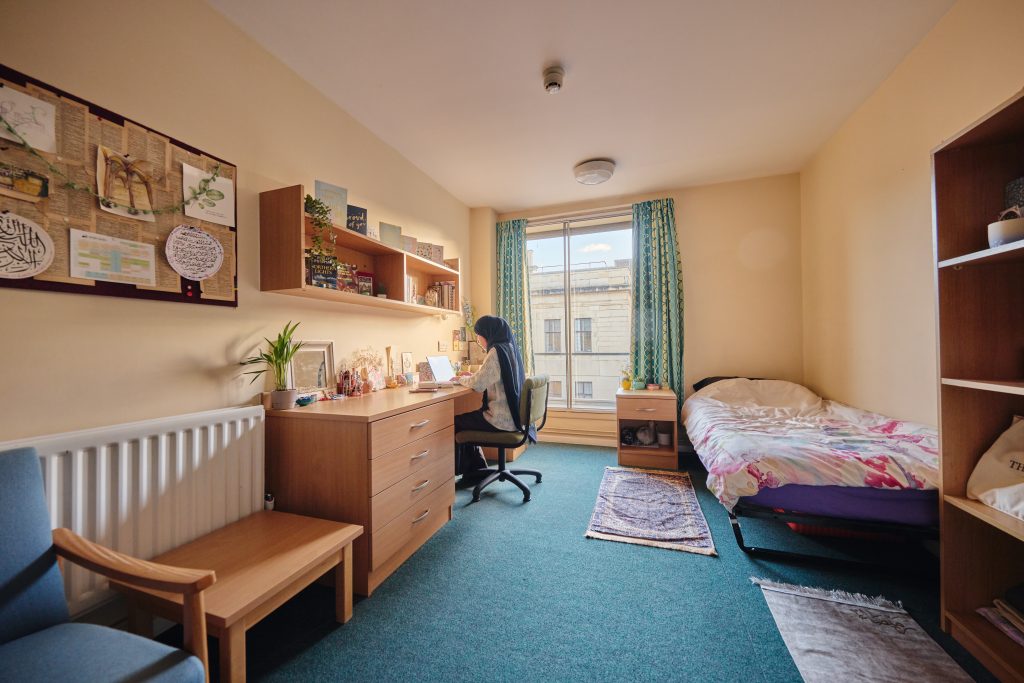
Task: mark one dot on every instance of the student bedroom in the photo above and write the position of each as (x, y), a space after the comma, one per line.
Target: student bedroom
(555, 341)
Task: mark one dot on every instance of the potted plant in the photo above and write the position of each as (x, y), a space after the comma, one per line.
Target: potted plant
(277, 359)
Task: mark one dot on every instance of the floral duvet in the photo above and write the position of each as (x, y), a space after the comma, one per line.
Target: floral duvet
(756, 434)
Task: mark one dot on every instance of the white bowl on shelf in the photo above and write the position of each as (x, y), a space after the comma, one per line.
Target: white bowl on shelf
(1004, 232)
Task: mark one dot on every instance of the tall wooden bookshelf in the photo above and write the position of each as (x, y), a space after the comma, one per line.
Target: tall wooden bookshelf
(981, 373)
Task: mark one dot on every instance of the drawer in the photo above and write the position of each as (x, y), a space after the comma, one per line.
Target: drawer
(405, 528)
(645, 409)
(392, 467)
(390, 503)
(392, 432)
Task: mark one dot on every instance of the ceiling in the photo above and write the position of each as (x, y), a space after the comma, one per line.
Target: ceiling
(677, 92)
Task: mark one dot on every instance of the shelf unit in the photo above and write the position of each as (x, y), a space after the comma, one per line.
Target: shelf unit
(286, 231)
(981, 374)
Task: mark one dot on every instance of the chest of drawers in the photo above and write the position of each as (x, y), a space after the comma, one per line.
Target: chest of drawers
(385, 461)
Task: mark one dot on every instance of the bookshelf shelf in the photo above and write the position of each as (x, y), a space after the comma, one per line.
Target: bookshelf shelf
(1007, 253)
(1000, 386)
(285, 234)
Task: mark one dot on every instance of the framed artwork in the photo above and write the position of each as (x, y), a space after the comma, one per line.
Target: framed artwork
(364, 283)
(357, 219)
(336, 199)
(406, 361)
(312, 366)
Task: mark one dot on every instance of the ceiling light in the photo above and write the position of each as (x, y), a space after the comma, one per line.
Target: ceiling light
(594, 171)
(553, 76)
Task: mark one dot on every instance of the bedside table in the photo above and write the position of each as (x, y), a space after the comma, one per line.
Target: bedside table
(638, 408)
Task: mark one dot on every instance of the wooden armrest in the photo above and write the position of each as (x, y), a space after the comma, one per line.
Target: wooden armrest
(127, 569)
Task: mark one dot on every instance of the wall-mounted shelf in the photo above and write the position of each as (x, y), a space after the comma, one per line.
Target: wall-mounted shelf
(285, 233)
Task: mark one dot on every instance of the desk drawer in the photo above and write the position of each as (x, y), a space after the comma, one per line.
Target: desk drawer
(391, 468)
(390, 503)
(645, 409)
(405, 528)
(388, 434)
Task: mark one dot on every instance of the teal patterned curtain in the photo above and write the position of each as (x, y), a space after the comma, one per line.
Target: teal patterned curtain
(514, 286)
(656, 344)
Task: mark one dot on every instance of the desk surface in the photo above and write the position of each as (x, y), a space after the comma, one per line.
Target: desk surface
(254, 558)
(370, 407)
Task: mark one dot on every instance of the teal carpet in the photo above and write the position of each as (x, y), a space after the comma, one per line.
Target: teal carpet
(513, 592)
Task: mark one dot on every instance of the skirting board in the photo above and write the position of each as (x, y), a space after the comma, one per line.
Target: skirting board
(579, 439)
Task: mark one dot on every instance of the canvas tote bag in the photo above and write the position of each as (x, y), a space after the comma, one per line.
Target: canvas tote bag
(998, 479)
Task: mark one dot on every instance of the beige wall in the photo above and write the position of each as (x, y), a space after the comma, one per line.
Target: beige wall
(80, 361)
(869, 308)
(739, 244)
(483, 243)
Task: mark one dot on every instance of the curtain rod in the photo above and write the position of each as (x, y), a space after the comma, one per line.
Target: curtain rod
(604, 212)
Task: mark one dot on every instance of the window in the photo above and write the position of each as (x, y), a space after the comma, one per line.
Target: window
(555, 387)
(581, 305)
(583, 335)
(584, 390)
(552, 336)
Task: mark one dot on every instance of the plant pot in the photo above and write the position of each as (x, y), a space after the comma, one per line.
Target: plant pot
(283, 400)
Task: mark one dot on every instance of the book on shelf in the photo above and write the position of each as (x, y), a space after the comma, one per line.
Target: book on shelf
(446, 294)
(997, 620)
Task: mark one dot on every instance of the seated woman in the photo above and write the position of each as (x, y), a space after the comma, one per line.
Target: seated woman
(501, 379)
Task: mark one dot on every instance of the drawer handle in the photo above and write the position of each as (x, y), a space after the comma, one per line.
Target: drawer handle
(421, 455)
(421, 486)
(421, 423)
(645, 410)
(421, 517)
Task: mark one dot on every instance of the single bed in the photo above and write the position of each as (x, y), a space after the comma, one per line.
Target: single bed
(776, 449)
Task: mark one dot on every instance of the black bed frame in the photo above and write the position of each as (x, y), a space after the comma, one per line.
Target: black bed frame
(752, 511)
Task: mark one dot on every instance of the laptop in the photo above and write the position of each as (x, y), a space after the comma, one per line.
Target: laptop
(442, 369)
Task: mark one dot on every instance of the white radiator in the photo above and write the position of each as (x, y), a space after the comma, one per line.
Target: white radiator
(143, 488)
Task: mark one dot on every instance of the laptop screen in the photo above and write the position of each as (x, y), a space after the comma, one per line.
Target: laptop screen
(441, 367)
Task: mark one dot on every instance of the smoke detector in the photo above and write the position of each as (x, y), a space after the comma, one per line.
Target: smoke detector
(553, 76)
(594, 171)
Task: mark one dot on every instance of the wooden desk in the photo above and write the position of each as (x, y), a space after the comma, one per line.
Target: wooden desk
(385, 461)
(260, 561)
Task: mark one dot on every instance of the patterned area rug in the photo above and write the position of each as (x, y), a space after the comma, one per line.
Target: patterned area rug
(650, 507)
(838, 636)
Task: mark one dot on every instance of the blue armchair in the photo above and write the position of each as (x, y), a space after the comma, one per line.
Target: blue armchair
(37, 640)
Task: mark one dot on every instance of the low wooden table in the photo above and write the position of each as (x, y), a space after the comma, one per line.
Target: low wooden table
(261, 561)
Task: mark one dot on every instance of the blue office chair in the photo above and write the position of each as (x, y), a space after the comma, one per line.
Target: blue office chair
(38, 642)
(533, 407)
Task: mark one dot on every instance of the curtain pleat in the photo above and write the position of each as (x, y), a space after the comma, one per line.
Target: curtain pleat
(656, 342)
(514, 285)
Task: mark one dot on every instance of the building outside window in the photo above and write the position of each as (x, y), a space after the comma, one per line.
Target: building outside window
(583, 344)
(555, 387)
(580, 271)
(552, 336)
(584, 390)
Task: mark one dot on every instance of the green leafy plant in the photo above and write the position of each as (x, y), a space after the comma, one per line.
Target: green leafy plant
(277, 358)
(322, 228)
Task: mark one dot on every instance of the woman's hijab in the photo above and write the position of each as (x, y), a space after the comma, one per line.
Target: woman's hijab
(500, 337)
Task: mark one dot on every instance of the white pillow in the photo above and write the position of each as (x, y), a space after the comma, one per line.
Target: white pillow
(998, 479)
(763, 393)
